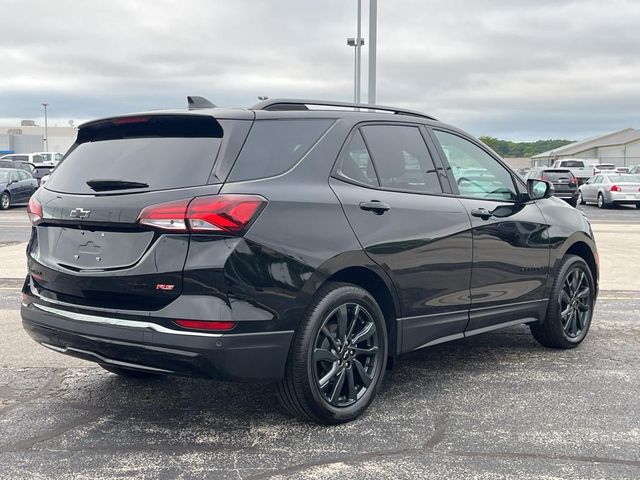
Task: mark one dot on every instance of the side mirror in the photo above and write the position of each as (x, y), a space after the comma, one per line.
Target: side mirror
(538, 189)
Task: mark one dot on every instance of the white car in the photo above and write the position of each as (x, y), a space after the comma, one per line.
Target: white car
(50, 158)
(37, 158)
(604, 168)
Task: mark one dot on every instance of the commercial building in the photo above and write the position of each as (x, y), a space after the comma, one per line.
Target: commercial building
(29, 137)
(622, 148)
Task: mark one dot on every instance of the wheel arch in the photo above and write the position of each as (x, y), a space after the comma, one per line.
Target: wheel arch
(373, 283)
(584, 251)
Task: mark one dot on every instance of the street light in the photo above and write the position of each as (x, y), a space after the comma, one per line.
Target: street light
(46, 128)
(357, 42)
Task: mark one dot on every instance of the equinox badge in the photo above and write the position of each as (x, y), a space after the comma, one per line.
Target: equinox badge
(79, 213)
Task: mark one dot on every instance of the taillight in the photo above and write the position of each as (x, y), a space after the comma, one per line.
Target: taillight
(615, 188)
(573, 181)
(166, 216)
(34, 210)
(214, 213)
(226, 213)
(206, 325)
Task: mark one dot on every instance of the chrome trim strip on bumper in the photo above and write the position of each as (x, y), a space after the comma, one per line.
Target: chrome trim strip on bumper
(118, 322)
(106, 360)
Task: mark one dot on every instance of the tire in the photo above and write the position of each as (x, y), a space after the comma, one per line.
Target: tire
(318, 355)
(601, 202)
(129, 373)
(580, 199)
(569, 314)
(5, 201)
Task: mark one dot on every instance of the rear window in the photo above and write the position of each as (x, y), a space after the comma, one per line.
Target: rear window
(557, 176)
(624, 178)
(162, 152)
(274, 146)
(572, 163)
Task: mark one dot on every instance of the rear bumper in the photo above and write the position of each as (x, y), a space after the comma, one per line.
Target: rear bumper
(623, 198)
(151, 347)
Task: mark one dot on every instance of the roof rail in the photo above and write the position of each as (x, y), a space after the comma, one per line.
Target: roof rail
(194, 102)
(298, 104)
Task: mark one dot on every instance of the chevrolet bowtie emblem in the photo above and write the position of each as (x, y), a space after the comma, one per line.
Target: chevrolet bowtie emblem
(79, 213)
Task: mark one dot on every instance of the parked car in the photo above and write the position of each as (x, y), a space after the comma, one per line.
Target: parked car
(16, 187)
(298, 244)
(622, 169)
(565, 184)
(37, 171)
(611, 189)
(50, 158)
(582, 168)
(604, 168)
(33, 158)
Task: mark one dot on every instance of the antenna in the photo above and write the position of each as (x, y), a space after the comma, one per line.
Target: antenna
(194, 102)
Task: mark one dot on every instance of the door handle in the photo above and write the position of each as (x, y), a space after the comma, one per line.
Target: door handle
(375, 206)
(483, 213)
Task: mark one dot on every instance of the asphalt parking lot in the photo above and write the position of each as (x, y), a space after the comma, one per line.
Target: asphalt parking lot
(492, 406)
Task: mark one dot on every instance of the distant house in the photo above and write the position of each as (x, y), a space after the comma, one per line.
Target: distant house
(621, 148)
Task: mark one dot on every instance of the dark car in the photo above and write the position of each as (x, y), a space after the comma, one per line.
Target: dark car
(565, 184)
(299, 242)
(16, 187)
(36, 171)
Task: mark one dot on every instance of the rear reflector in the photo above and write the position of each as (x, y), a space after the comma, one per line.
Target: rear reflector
(34, 210)
(214, 213)
(205, 325)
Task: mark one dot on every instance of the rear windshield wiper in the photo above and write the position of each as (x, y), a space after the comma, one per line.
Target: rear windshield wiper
(101, 185)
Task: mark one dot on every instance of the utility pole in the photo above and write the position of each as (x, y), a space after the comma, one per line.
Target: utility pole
(46, 128)
(373, 33)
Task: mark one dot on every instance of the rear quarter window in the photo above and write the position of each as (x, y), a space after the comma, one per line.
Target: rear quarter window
(275, 146)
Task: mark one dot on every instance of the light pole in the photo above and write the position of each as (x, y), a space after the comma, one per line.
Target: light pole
(373, 33)
(357, 42)
(46, 128)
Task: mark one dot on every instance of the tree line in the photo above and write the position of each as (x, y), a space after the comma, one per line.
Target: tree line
(507, 148)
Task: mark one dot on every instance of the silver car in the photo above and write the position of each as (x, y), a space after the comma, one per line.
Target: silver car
(612, 189)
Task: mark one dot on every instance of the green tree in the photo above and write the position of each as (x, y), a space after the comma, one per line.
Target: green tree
(507, 148)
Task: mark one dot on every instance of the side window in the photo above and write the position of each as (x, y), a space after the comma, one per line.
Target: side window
(37, 159)
(477, 173)
(23, 175)
(274, 146)
(401, 158)
(14, 176)
(355, 162)
(597, 179)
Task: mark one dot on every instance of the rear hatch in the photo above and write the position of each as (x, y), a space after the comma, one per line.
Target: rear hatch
(563, 180)
(89, 248)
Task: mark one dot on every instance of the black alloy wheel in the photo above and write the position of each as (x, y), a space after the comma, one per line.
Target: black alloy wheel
(570, 308)
(345, 354)
(338, 356)
(575, 303)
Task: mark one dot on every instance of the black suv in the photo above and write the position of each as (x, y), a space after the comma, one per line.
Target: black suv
(299, 242)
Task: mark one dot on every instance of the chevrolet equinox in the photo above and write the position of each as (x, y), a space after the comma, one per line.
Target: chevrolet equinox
(299, 242)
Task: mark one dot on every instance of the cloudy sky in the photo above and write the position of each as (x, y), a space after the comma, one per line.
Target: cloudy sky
(515, 69)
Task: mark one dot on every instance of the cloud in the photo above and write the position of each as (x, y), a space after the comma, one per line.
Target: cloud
(514, 69)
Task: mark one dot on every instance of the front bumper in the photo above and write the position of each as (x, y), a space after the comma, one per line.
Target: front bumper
(149, 346)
